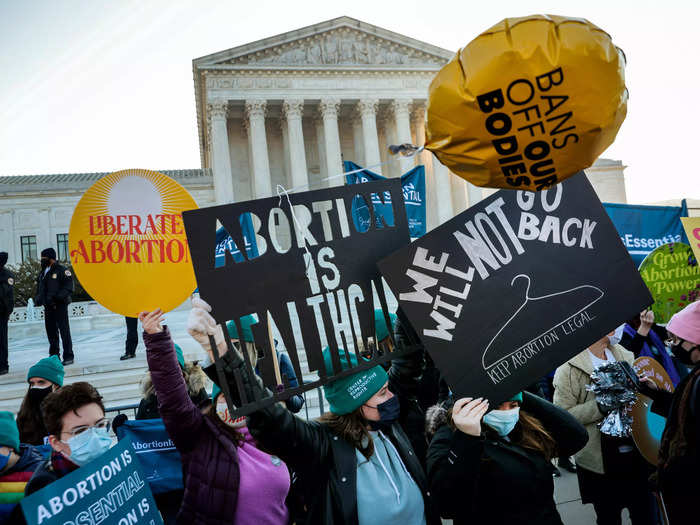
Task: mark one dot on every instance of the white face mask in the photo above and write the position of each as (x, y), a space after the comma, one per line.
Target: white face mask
(222, 412)
(617, 336)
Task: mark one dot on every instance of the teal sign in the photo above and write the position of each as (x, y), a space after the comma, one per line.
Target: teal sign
(111, 490)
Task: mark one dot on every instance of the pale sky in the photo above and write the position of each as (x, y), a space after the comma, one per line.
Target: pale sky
(99, 85)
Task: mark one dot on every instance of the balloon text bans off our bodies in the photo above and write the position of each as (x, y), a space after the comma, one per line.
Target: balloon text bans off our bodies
(543, 115)
(313, 273)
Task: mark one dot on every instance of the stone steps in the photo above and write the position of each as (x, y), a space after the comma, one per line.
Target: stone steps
(97, 361)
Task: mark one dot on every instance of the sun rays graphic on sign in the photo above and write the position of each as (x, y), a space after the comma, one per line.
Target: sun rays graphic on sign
(127, 242)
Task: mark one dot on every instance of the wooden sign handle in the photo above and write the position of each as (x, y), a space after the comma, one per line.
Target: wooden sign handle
(275, 362)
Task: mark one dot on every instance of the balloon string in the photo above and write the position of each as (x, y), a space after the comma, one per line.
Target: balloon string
(281, 193)
(405, 150)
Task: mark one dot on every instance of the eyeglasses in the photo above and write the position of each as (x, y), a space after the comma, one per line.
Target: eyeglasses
(105, 423)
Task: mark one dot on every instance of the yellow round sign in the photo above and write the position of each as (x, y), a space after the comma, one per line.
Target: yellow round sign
(528, 103)
(128, 245)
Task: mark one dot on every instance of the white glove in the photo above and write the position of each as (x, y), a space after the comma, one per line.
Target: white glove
(200, 325)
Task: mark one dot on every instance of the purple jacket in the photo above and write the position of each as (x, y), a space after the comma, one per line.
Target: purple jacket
(210, 468)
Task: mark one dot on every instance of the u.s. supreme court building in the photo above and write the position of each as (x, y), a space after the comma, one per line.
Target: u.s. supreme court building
(286, 110)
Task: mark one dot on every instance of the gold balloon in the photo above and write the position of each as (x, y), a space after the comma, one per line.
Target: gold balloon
(527, 103)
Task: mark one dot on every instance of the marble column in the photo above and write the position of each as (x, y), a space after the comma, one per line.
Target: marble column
(320, 145)
(220, 154)
(292, 110)
(368, 112)
(358, 146)
(401, 110)
(474, 194)
(459, 194)
(443, 191)
(257, 138)
(331, 140)
(426, 158)
(286, 168)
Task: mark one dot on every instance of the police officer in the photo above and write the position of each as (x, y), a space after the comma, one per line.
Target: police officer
(54, 289)
(7, 304)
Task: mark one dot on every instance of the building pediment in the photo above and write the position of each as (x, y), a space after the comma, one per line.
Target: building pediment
(340, 43)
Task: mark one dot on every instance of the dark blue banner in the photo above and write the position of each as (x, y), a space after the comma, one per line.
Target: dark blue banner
(413, 186)
(643, 228)
(225, 243)
(155, 451)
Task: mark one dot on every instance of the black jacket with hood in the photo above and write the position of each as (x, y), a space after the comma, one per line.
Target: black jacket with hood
(489, 480)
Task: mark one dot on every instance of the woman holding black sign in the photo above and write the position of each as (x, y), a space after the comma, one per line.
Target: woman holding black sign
(499, 472)
(356, 464)
(227, 478)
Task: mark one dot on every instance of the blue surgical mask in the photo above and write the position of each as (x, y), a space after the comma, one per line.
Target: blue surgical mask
(89, 445)
(503, 421)
(4, 460)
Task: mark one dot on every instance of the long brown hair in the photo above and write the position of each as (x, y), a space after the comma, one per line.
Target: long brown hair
(352, 428)
(530, 434)
(30, 423)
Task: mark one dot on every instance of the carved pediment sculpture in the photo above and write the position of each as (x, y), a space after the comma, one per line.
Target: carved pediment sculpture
(339, 48)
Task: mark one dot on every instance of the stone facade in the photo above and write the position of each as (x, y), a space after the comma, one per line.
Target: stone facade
(286, 111)
(39, 207)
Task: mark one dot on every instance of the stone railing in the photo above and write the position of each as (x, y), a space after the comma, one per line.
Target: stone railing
(22, 314)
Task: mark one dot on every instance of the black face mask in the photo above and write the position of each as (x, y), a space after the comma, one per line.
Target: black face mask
(388, 413)
(37, 395)
(682, 354)
(45, 263)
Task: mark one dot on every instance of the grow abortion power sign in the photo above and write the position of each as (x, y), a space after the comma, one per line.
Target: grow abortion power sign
(111, 490)
(514, 286)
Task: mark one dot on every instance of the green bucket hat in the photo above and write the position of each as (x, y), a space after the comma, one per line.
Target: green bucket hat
(246, 323)
(351, 392)
(180, 356)
(9, 434)
(380, 327)
(49, 368)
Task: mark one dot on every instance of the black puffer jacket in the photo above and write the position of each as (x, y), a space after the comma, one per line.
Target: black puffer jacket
(489, 480)
(325, 463)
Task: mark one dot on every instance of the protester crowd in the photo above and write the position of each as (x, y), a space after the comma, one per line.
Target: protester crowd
(377, 456)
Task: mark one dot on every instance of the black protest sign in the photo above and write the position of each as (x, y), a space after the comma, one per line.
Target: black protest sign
(313, 275)
(510, 289)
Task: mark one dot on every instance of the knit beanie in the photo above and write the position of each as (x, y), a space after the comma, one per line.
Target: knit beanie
(49, 368)
(380, 327)
(49, 253)
(351, 392)
(180, 356)
(686, 323)
(246, 323)
(9, 434)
